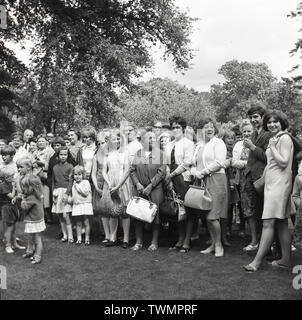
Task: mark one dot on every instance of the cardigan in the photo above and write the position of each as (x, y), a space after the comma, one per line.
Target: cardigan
(213, 157)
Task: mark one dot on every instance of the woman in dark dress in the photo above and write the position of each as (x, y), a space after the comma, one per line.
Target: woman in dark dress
(148, 173)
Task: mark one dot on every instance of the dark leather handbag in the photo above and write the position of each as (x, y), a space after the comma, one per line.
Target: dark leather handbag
(169, 209)
(259, 184)
(198, 197)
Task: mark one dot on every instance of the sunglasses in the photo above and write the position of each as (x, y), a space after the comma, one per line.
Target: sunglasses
(157, 127)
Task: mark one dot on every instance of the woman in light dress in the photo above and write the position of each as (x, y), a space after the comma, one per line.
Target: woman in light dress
(277, 190)
(117, 189)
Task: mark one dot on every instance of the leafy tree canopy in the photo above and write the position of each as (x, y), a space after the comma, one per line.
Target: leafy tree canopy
(85, 51)
(159, 99)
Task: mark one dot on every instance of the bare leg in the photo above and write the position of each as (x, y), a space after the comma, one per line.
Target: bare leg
(69, 227)
(63, 225)
(191, 221)
(87, 229)
(39, 244)
(155, 234)
(285, 242)
(181, 233)
(8, 235)
(265, 242)
(30, 244)
(139, 225)
(224, 229)
(113, 223)
(126, 228)
(79, 229)
(106, 227)
(253, 224)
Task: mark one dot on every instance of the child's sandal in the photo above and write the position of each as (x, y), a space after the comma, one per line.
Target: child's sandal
(64, 239)
(70, 240)
(79, 242)
(87, 243)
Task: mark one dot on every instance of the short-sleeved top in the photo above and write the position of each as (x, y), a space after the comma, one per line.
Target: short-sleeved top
(5, 189)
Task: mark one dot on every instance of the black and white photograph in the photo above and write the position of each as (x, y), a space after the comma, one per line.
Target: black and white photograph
(150, 152)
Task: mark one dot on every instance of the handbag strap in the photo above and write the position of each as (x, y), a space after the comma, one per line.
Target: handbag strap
(201, 184)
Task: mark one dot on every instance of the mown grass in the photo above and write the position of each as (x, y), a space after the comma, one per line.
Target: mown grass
(71, 272)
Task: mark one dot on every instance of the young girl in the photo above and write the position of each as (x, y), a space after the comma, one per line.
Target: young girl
(62, 173)
(32, 205)
(81, 203)
(9, 211)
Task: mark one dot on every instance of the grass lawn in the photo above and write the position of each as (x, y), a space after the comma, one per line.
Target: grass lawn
(71, 272)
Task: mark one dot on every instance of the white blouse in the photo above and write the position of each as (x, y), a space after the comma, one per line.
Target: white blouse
(213, 156)
(237, 162)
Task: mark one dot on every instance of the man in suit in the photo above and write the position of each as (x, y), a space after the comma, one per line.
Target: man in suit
(256, 163)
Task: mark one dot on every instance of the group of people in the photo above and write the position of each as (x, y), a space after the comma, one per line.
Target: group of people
(88, 174)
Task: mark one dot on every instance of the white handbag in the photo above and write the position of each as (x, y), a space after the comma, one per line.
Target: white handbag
(141, 209)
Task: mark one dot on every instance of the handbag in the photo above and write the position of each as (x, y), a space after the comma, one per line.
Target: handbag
(172, 208)
(259, 184)
(141, 209)
(198, 197)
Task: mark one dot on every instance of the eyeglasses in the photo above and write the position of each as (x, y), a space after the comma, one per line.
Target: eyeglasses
(157, 127)
(176, 127)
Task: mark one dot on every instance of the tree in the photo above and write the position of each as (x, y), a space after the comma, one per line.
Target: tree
(244, 83)
(88, 50)
(298, 45)
(159, 99)
(12, 72)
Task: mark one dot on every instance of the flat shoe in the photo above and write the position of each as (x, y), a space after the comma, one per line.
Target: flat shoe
(125, 245)
(87, 243)
(219, 252)
(111, 244)
(276, 264)
(64, 239)
(208, 250)
(176, 247)
(184, 250)
(152, 247)
(250, 268)
(250, 248)
(137, 247)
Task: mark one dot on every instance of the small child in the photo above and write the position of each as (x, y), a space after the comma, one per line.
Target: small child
(229, 139)
(82, 203)
(62, 174)
(32, 205)
(8, 152)
(9, 211)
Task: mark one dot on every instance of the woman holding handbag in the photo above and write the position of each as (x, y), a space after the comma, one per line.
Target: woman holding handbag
(148, 173)
(178, 155)
(277, 191)
(209, 160)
